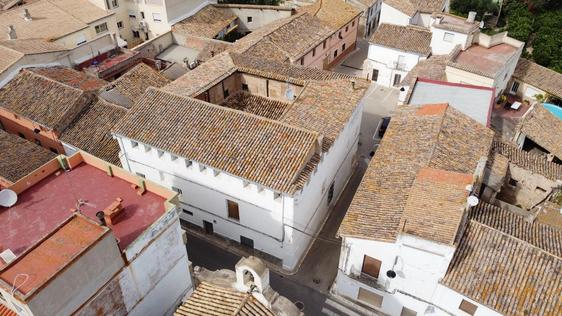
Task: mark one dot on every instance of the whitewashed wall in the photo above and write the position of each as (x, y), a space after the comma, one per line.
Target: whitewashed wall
(383, 58)
(391, 15)
(441, 47)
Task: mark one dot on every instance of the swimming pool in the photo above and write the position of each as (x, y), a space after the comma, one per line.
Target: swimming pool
(554, 109)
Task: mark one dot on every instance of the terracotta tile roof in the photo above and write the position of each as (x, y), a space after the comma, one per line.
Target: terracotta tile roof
(487, 62)
(436, 136)
(212, 300)
(91, 130)
(9, 58)
(326, 107)
(407, 38)
(436, 205)
(207, 22)
(5, 311)
(505, 273)
(496, 170)
(410, 7)
(255, 104)
(527, 160)
(54, 253)
(334, 13)
(131, 85)
(20, 157)
(70, 77)
(539, 76)
(273, 154)
(32, 46)
(52, 19)
(56, 107)
(545, 237)
(432, 68)
(297, 37)
(541, 126)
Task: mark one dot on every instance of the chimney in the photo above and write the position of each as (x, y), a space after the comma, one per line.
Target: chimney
(438, 20)
(11, 32)
(471, 17)
(26, 15)
(112, 213)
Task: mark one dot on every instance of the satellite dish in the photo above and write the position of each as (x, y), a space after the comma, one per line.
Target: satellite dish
(8, 198)
(472, 200)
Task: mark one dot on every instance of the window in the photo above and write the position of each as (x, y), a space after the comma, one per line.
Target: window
(249, 19)
(53, 150)
(343, 47)
(314, 52)
(142, 15)
(339, 35)
(540, 189)
(331, 193)
(147, 148)
(173, 157)
(408, 312)
(136, 34)
(134, 144)
(160, 153)
(132, 14)
(448, 37)
(176, 190)
(515, 87)
(371, 266)
(225, 93)
(468, 307)
(244, 87)
(187, 212)
(188, 163)
(156, 17)
(114, 3)
(101, 28)
(120, 24)
(140, 175)
(375, 75)
(335, 53)
(302, 61)
(347, 28)
(81, 40)
(397, 79)
(324, 44)
(353, 23)
(233, 211)
(369, 297)
(513, 182)
(246, 242)
(21, 135)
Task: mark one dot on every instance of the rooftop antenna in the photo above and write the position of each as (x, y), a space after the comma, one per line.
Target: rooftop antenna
(8, 198)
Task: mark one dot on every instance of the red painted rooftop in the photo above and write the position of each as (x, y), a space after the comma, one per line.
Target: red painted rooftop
(50, 256)
(486, 59)
(47, 204)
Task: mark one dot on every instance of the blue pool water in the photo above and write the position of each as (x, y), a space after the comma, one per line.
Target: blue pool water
(554, 109)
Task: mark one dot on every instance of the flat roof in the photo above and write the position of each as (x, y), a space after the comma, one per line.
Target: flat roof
(64, 245)
(45, 205)
(484, 61)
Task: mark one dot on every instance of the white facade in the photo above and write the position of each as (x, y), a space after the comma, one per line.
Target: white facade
(419, 266)
(141, 20)
(392, 64)
(278, 224)
(391, 15)
(444, 41)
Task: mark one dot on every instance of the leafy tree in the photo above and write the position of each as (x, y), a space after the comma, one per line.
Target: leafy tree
(262, 2)
(462, 7)
(547, 44)
(519, 20)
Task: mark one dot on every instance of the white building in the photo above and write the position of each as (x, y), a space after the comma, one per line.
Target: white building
(96, 240)
(370, 17)
(140, 20)
(448, 31)
(413, 245)
(405, 12)
(261, 150)
(393, 51)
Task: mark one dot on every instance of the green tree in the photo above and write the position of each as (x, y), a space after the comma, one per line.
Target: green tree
(462, 7)
(519, 20)
(261, 2)
(547, 44)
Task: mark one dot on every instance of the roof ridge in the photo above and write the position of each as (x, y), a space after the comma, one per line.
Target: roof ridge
(439, 132)
(223, 108)
(25, 70)
(521, 241)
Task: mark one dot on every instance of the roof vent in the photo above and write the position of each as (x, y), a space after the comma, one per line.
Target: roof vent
(7, 256)
(471, 17)
(26, 15)
(12, 32)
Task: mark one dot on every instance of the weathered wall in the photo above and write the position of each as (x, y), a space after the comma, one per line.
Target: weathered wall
(530, 189)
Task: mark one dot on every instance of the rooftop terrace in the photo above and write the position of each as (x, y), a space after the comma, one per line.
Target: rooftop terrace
(484, 61)
(45, 205)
